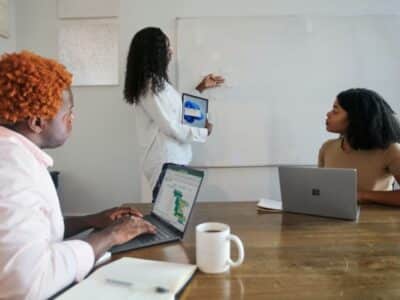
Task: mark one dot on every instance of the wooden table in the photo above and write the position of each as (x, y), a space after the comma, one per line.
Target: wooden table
(290, 256)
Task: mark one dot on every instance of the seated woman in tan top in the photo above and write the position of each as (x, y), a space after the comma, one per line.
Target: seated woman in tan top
(369, 142)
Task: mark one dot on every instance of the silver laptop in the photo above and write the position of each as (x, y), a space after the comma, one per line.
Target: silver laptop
(319, 191)
(174, 197)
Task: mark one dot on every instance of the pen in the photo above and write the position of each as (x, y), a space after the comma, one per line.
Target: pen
(119, 282)
(158, 289)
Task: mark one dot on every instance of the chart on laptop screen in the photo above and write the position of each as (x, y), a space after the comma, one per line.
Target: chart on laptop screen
(176, 197)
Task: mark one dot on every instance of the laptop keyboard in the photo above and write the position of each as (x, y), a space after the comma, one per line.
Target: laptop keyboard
(161, 235)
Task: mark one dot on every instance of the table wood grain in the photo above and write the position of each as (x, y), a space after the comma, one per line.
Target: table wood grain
(292, 256)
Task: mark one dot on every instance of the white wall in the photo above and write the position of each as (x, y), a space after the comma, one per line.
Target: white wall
(99, 164)
(9, 44)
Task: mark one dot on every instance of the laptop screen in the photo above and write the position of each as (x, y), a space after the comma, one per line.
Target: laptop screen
(177, 194)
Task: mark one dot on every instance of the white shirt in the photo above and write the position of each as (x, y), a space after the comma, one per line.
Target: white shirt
(35, 262)
(162, 135)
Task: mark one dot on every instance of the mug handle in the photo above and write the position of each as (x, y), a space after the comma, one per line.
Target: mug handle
(240, 248)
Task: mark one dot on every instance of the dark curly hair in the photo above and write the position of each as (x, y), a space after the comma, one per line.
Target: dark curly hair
(30, 85)
(147, 64)
(372, 122)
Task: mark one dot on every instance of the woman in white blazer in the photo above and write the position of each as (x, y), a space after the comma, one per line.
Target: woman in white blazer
(158, 106)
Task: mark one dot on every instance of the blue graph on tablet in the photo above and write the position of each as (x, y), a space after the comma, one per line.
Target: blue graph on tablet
(194, 110)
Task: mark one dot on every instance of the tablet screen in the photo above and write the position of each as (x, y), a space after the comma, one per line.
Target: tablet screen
(194, 110)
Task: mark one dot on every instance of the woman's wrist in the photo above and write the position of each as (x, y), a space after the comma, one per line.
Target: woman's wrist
(365, 197)
(200, 87)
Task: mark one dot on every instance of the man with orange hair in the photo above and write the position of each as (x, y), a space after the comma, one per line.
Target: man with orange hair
(35, 113)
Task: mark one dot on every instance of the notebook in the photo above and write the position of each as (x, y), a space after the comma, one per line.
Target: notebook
(269, 205)
(133, 278)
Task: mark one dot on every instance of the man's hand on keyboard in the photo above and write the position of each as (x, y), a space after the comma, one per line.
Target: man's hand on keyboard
(107, 217)
(127, 228)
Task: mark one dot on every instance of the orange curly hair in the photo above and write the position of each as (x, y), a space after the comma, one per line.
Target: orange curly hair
(30, 85)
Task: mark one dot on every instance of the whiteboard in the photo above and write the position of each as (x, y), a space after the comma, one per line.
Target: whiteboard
(282, 75)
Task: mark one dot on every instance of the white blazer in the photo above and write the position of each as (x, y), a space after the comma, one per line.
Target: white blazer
(162, 136)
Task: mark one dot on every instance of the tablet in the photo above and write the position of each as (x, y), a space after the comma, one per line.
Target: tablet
(194, 110)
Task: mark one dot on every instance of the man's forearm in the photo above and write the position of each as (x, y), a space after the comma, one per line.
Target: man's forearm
(101, 241)
(386, 197)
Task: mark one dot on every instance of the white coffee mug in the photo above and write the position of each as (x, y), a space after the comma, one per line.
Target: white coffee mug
(213, 251)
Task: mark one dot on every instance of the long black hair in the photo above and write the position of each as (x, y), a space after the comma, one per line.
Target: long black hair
(147, 64)
(372, 122)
